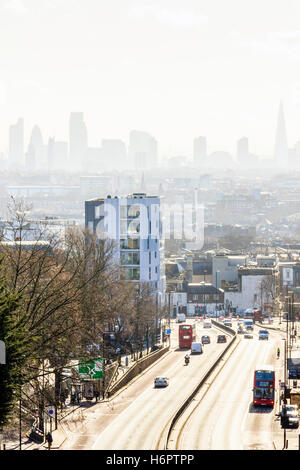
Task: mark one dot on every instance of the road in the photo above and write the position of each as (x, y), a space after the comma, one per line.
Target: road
(225, 418)
(135, 418)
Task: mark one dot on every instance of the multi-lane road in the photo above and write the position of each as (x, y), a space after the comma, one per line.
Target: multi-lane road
(223, 419)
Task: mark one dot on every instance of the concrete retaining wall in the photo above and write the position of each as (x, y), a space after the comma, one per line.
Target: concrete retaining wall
(136, 369)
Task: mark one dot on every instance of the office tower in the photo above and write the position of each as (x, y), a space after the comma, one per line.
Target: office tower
(78, 142)
(16, 145)
(200, 151)
(243, 151)
(57, 155)
(114, 154)
(36, 150)
(142, 150)
(281, 146)
(134, 225)
(30, 162)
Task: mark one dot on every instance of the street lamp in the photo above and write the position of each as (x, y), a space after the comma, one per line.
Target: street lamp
(204, 293)
(216, 288)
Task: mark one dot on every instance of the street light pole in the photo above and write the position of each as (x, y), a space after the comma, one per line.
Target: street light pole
(204, 293)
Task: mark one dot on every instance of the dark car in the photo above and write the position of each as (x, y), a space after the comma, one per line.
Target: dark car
(221, 339)
(291, 415)
(205, 339)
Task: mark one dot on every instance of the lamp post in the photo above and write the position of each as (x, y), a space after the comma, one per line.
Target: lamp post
(216, 288)
(204, 293)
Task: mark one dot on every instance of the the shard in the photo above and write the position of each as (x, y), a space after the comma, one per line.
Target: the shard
(281, 145)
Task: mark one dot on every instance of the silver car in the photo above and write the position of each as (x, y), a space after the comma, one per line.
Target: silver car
(161, 382)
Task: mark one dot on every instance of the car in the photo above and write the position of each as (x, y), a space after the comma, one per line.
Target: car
(227, 322)
(240, 321)
(161, 382)
(240, 330)
(248, 334)
(221, 318)
(263, 334)
(205, 339)
(292, 414)
(207, 324)
(221, 339)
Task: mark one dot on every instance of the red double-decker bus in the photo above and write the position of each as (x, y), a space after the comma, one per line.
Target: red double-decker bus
(187, 335)
(264, 386)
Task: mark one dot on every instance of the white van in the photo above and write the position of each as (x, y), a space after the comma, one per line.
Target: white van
(196, 348)
(180, 317)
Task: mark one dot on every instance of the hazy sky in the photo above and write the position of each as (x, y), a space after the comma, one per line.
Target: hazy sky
(176, 69)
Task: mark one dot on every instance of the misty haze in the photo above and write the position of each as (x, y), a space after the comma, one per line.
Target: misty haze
(150, 226)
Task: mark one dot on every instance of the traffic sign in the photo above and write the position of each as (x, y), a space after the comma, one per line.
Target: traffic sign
(50, 410)
(91, 369)
(168, 332)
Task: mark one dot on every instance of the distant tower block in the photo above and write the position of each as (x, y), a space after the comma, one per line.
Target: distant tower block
(243, 151)
(281, 145)
(78, 141)
(16, 144)
(200, 151)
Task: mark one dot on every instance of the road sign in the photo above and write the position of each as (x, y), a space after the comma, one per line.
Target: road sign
(50, 410)
(91, 369)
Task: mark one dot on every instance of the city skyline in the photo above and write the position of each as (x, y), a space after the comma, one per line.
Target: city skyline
(140, 153)
(210, 69)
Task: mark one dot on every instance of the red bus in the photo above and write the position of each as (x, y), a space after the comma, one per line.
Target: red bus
(187, 335)
(264, 386)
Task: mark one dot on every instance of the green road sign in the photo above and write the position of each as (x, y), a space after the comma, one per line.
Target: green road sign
(91, 369)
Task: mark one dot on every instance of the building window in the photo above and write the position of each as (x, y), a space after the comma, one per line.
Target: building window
(130, 258)
(132, 274)
(98, 211)
(149, 273)
(130, 243)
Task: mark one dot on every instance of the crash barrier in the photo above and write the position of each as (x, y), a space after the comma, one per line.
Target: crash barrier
(111, 372)
(136, 369)
(203, 380)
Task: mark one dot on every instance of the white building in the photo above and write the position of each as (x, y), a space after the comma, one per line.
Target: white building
(250, 292)
(134, 223)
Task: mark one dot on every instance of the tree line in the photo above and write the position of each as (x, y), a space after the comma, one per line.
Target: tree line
(59, 296)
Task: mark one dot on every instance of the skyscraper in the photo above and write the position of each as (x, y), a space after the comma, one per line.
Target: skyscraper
(16, 145)
(242, 152)
(57, 155)
(37, 149)
(78, 141)
(281, 145)
(200, 151)
(142, 150)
